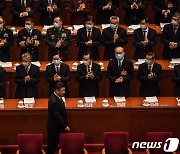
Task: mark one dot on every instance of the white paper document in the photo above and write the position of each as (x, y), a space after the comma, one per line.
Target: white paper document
(29, 100)
(76, 27)
(105, 26)
(133, 27)
(119, 99)
(1, 101)
(48, 26)
(151, 99)
(90, 99)
(5, 64)
(37, 63)
(163, 24)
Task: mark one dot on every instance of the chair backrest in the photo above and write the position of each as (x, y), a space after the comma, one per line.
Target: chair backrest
(158, 137)
(116, 142)
(30, 143)
(6, 90)
(72, 143)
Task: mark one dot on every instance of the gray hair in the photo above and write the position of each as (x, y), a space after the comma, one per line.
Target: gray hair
(27, 55)
(176, 14)
(114, 17)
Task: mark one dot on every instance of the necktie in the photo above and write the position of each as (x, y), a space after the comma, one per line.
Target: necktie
(150, 68)
(23, 5)
(89, 35)
(174, 31)
(49, 2)
(57, 69)
(27, 70)
(119, 65)
(62, 101)
(144, 34)
(89, 69)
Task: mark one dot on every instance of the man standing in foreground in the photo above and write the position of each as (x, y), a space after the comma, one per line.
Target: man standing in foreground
(57, 118)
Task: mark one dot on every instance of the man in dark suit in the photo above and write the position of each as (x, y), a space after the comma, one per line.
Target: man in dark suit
(171, 38)
(78, 10)
(57, 121)
(88, 76)
(58, 39)
(105, 9)
(49, 9)
(135, 11)
(176, 79)
(150, 73)
(2, 6)
(21, 9)
(119, 73)
(164, 9)
(57, 71)
(112, 37)
(144, 39)
(6, 41)
(88, 39)
(27, 76)
(29, 39)
(2, 81)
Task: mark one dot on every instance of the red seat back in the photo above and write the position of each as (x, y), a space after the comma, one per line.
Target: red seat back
(158, 137)
(30, 143)
(72, 143)
(116, 142)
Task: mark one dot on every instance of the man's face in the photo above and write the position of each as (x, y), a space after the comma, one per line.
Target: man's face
(89, 23)
(87, 59)
(119, 50)
(29, 23)
(58, 21)
(177, 19)
(60, 92)
(56, 57)
(143, 22)
(114, 22)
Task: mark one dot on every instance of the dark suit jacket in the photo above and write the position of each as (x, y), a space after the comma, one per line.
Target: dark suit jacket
(88, 87)
(57, 115)
(176, 79)
(32, 49)
(103, 16)
(16, 9)
(5, 50)
(149, 87)
(167, 37)
(29, 88)
(2, 81)
(64, 73)
(133, 16)
(78, 18)
(113, 72)
(47, 18)
(53, 36)
(2, 6)
(160, 5)
(82, 38)
(141, 51)
(107, 39)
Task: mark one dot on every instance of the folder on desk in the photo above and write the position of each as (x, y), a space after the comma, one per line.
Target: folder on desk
(90, 99)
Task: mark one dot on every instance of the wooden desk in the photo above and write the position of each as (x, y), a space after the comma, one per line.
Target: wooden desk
(166, 84)
(134, 118)
(72, 54)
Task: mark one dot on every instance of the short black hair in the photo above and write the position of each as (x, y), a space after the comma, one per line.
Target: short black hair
(88, 53)
(56, 53)
(146, 18)
(59, 85)
(89, 18)
(176, 14)
(58, 17)
(30, 19)
(151, 54)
